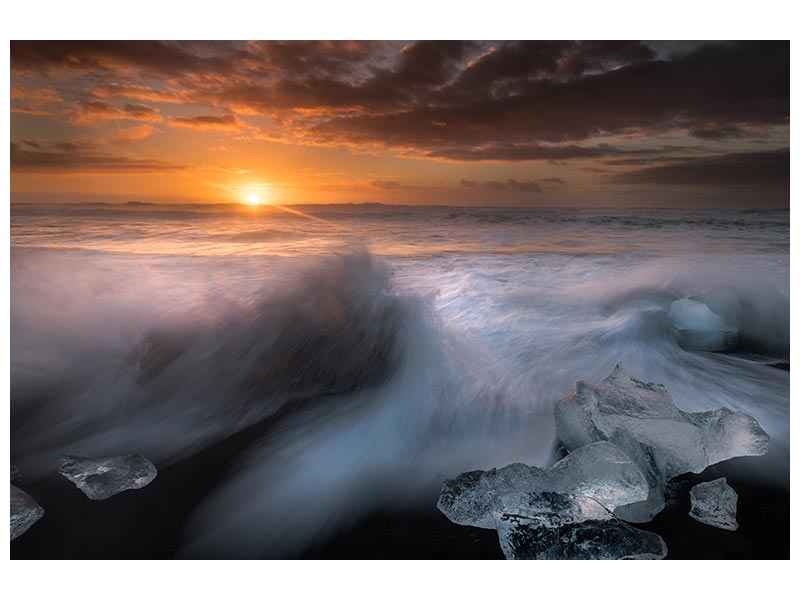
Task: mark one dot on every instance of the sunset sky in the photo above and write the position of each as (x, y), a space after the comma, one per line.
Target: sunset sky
(487, 123)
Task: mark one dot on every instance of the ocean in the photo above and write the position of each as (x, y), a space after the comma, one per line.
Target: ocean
(318, 364)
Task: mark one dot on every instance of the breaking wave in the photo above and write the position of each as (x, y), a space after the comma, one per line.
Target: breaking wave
(329, 386)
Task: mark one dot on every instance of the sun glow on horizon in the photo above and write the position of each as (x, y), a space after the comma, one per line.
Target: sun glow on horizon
(253, 198)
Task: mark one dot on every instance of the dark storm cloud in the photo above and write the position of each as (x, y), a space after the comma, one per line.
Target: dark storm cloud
(599, 55)
(522, 152)
(726, 85)
(760, 169)
(590, 101)
(718, 132)
(433, 94)
(423, 65)
(73, 159)
(418, 69)
(510, 62)
(311, 58)
(504, 67)
(151, 57)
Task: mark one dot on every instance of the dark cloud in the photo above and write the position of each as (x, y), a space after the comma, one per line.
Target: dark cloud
(386, 185)
(432, 95)
(522, 152)
(717, 86)
(509, 62)
(758, 169)
(718, 132)
(587, 101)
(600, 55)
(140, 92)
(100, 109)
(504, 68)
(73, 159)
(153, 57)
(142, 112)
(389, 185)
(426, 64)
(417, 71)
(510, 185)
(208, 122)
(311, 58)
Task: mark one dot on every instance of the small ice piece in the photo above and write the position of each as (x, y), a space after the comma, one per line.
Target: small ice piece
(663, 440)
(14, 472)
(714, 503)
(104, 477)
(588, 483)
(700, 328)
(521, 539)
(24, 512)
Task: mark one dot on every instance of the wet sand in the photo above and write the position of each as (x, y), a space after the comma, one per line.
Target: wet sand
(149, 523)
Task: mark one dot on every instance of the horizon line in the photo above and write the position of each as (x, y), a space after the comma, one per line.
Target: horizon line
(280, 204)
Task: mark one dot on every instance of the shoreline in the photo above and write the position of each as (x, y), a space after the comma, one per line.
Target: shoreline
(148, 523)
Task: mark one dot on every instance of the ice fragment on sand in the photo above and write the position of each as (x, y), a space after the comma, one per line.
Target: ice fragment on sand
(104, 477)
(651, 463)
(588, 483)
(714, 503)
(690, 441)
(521, 538)
(24, 512)
(664, 441)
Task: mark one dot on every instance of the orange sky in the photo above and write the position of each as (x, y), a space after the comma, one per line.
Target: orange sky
(511, 123)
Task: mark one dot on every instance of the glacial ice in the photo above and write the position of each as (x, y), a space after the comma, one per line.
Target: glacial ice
(589, 483)
(24, 512)
(102, 478)
(521, 539)
(651, 463)
(700, 328)
(626, 439)
(690, 441)
(714, 503)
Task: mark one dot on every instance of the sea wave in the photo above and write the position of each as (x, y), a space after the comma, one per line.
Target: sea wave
(332, 385)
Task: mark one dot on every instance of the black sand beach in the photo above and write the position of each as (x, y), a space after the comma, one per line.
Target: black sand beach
(149, 523)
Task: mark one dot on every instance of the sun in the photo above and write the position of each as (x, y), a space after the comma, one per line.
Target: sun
(253, 198)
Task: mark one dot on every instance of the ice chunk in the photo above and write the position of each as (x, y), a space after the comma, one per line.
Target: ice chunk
(700, 328)
(591, 540)
(588, 483)
(24, 512)
(663, 440)
(102, 478)
(690, 441)
(651, 462)
(714, 503)
(14, 472)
